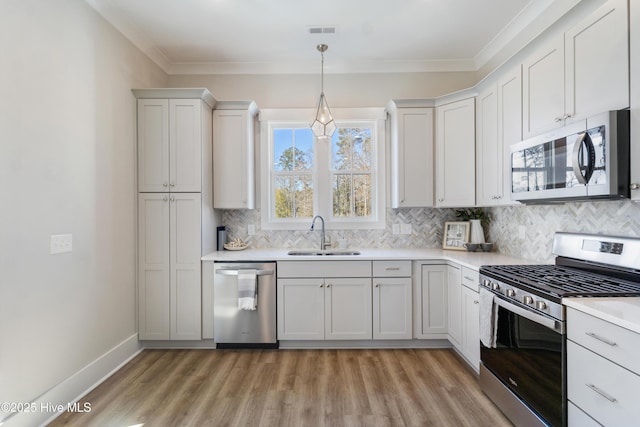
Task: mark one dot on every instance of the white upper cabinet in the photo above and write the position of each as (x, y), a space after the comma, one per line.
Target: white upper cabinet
(170, 145)
(233, 155)
(455, 154)
(582, 72)
(412, 155)
(597, 62)
(498, 125)
(543, 89)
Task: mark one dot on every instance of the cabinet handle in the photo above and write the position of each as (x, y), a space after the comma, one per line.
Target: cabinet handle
(604, 340)
(468, 278)
(475, 301)
(602, 393)
(566, 116)
(557, 119)
(392, 268)
(635, 186)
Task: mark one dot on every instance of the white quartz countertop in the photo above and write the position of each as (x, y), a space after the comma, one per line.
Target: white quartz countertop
(621, 311)
(468, 259)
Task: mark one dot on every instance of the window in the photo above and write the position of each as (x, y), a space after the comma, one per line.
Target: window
(341, 179)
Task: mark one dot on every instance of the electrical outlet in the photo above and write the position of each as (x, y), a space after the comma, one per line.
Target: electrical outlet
(395, 228)
(405, 229)
(251, 229)
(60, 243)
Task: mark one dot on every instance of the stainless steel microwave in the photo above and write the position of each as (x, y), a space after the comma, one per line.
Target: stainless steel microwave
(588, 159)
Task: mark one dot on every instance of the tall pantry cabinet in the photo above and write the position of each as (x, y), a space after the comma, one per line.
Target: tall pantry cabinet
(176, 221)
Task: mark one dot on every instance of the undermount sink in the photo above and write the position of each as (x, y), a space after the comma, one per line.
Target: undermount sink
(311, 252)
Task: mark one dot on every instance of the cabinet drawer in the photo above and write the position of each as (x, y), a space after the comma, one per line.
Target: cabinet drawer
(470, 278)
(577, 418)
(323, 268)
(607, 391)
(608, 340)
(391, 268)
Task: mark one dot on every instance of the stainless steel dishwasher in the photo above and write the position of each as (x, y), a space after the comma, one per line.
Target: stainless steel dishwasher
(234, 327)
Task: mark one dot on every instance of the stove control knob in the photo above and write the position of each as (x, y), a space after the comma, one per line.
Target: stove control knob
(495, 286)
(528, 300)
(486, 283)
(541, 305)
(511, 293)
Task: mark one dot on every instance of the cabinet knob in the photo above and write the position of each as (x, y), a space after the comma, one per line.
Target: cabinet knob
(475, 301)
(557, 119)
(566, 116)
(164, 184)
(635, 186)
(377, 285)
(172, 199)
(172, 184)
(322, 286)
(328, 285)
(164, 199)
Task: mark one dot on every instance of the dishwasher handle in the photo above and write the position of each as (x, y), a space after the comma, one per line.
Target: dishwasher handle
(236, 271)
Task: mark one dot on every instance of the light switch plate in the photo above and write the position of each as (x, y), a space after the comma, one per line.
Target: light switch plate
(251, 229)
(405, 229)
(395, 228)
(60, 243)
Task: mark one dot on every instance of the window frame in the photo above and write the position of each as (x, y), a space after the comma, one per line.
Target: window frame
(322, 174)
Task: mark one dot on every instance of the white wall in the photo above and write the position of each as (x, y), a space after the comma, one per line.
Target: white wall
(341, 90)
(67, 165)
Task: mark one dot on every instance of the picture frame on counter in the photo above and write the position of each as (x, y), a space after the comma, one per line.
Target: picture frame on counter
(456, 234)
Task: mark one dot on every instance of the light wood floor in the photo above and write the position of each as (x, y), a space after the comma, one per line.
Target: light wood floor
(408, 387)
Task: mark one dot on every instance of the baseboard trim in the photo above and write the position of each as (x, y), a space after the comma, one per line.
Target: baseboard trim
(364, 344)
(76, 386)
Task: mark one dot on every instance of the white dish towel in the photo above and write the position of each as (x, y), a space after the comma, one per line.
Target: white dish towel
(488, 318)
(247, 290)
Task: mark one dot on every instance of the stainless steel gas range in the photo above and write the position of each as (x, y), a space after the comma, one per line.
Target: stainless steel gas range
(523, 346)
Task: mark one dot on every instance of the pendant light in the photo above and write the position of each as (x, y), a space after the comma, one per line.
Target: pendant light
(323, 126)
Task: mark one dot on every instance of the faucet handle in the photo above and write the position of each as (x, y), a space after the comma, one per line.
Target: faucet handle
(327, 243)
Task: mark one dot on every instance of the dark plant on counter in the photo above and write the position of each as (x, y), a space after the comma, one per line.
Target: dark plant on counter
(474, 213)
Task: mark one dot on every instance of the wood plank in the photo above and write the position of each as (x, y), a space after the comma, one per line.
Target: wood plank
(398, 387)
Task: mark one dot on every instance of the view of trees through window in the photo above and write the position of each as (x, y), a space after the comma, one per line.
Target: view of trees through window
(350, 174)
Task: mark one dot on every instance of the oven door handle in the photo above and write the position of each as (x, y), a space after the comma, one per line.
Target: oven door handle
(534, 317)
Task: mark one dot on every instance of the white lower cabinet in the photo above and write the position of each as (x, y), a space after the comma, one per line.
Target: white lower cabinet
(348, 306)
(169, 266)
(464, 313)
(603, 371)
(324, 308)
(454, 292)
(347, 309)
(430, 301)
(471, 327)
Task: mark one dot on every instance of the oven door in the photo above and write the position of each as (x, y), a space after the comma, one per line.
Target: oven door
(529, 359)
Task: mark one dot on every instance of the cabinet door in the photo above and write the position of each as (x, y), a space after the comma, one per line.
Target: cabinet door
(598, 83)
(543, 89)
(233, 182)
(185, 145)
(454, 292)
(153, 267)
(509, 127)
(471, 327)
(185, 251)
(153, 145)
(300, 309)
(634, 53)
(347, 308)
(430, 306)
(412, 159)
(392, 308)
(488, 148)
(455, 154)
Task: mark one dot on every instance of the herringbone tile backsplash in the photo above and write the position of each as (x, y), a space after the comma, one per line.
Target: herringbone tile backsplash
(540, 222)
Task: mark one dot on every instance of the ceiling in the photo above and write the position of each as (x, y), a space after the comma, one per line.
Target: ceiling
(272, 36)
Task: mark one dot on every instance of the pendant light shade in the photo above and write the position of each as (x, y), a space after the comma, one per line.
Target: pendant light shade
(323, 126)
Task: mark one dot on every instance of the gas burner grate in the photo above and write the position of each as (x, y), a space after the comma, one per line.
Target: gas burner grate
(563, 281)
